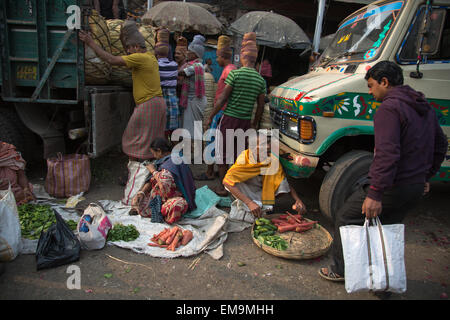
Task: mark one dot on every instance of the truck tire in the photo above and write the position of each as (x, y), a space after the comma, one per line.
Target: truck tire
(349, 171)
(25, 140)
(10, 133)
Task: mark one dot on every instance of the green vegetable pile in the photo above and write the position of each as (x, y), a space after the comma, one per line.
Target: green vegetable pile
(72, 224)
(34, 219)
(265, 233)
(119, 232)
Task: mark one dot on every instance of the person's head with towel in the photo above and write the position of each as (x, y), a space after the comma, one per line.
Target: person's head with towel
(181, 50)
(162, 43)
(224, 51)
(196, 48)
(249, 50)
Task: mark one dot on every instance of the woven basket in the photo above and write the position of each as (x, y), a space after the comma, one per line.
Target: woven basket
(305, 245)
(96, 70)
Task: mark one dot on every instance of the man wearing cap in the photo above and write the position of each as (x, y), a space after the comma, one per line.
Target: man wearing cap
(148, 120)
(192, 97)
(224, 54)
(243, 87)
(168, 72)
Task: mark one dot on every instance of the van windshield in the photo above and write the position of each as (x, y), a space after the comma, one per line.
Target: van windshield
(361, 36)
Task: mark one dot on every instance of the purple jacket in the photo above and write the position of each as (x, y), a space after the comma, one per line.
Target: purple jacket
(409, 143)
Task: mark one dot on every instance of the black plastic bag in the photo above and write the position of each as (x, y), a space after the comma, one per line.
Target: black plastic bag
(57, 246)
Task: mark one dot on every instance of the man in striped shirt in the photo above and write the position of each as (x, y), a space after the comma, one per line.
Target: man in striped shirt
(168, 72)
(243, 87)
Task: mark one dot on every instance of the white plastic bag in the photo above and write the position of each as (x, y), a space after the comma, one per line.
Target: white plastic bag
(137, 174)
(95, 237)
(374, 257)
(10, 234)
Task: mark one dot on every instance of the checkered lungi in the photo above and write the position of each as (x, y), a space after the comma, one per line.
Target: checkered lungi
(147, 123)
(172, 112)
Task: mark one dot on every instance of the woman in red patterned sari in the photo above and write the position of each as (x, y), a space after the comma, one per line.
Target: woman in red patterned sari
(163, 184)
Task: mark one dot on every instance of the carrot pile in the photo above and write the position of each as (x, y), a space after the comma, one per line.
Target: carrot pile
(291, 222)
(171, 239)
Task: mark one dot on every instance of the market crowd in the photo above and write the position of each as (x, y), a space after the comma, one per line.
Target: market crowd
(169, 93)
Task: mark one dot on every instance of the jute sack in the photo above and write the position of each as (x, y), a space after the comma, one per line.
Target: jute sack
(149, 34)
(119, 74)
(96, 70)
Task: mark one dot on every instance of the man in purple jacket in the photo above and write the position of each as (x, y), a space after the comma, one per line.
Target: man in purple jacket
(409, 149)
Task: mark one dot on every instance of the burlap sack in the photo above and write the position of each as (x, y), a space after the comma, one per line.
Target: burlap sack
(96, 70)
(119, 74)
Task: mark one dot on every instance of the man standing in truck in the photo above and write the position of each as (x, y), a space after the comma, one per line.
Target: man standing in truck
(409, 149)
(148, 120)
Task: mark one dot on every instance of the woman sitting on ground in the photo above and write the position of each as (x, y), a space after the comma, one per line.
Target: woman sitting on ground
(169, 191)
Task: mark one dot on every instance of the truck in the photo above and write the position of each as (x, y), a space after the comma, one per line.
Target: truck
(325, 117)
(46, 106)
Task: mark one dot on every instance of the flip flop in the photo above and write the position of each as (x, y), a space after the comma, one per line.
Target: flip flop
(203, 177)
(331, 276)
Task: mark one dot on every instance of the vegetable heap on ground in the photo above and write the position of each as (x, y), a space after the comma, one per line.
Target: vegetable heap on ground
(120, 232)
(34, 219)
(171, 239)
(291, 222)
(264, 232)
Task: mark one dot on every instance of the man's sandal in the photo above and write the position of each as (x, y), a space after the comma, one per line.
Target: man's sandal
(330, 275)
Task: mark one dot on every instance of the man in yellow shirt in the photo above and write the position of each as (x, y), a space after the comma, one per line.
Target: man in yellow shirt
(148, 120)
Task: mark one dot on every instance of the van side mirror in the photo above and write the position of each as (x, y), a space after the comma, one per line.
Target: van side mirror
(431, 30)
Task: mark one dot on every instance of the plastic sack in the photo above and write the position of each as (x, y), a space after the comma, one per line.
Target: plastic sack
(137, 175)
(57, 246)
(374, 257)
(10, 234)
(93, 227)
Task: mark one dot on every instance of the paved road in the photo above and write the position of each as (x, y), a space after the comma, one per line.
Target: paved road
(263, 277)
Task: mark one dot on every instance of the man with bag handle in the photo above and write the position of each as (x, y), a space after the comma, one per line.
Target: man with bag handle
(409, 149)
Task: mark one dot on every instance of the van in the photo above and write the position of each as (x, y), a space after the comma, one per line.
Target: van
(325, 117)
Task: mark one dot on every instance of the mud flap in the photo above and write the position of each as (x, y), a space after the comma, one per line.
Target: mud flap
(109, 111)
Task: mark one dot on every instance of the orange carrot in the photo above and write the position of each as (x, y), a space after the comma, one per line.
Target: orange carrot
(172, 235)
(159, 235)
(298, 219)
(284, 228)
(165, 237)
(173, 244)
(187, 236)
(157, 245)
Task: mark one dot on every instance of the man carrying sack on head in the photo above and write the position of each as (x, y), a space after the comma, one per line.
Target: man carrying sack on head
(148, 120)
(168, 72)
(224, 54)
(193, 97)
(243, 87)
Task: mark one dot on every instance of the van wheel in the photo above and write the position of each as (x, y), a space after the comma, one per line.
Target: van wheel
(348, 173)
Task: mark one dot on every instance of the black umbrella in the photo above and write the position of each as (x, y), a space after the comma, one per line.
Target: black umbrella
(272, 30)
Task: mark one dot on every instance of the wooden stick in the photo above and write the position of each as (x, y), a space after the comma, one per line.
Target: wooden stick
(126, 262)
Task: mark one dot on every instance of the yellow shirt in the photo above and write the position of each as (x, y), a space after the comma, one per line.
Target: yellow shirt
(145, 74)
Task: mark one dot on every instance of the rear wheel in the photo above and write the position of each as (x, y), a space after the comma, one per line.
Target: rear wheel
(345, 176)
(13, 131)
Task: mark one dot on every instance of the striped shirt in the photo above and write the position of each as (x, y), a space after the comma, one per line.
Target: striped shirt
(247, 85)
(168, 73)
